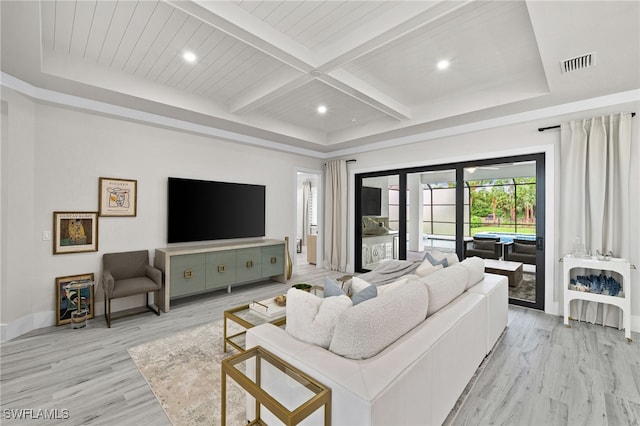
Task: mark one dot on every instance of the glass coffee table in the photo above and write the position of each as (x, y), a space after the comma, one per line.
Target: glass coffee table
(246, 318)
(284, 391)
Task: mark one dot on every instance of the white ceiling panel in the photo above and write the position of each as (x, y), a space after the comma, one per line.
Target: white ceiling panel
(494, 39)
(300, 107)
(264, 66)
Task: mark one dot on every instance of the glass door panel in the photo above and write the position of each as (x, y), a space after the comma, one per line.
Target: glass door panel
(380, 220)
(431, 212)
(503, 202)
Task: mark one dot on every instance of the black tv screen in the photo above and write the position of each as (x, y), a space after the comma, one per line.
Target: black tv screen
(200, 210)
(370, 201)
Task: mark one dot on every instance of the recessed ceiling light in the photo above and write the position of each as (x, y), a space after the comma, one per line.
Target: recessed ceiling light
(189, 56)
(322, 109)
(443, 64)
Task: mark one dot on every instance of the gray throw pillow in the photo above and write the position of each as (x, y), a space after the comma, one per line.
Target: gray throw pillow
(365, 294)
(434, 261)
(332, 288)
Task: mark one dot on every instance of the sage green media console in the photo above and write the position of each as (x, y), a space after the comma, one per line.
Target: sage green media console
(198, 269)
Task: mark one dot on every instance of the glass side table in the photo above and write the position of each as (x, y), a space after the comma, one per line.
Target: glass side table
(80, 316)
(284, 391)
(246, 318)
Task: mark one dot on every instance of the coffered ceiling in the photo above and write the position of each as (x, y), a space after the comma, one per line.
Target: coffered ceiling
(262, 68)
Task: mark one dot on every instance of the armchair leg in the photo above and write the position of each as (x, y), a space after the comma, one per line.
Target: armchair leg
(107, 311)
(153, 309)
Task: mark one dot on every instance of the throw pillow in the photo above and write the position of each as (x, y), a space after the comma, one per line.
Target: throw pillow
(427, 268)
(364, 294)
(332, 288)
(313, 319)
(361, 289)
(436, 258)
(358, 284)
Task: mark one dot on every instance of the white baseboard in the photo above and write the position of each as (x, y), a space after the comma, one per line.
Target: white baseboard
(26, 324)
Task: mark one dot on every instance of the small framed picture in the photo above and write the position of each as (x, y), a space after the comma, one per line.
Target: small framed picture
(75, 232)
(118, 197)
(74, 296)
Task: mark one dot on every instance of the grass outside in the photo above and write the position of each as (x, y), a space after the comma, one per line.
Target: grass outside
(521, 229)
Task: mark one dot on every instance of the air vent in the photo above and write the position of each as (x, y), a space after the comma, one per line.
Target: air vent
(578, 63)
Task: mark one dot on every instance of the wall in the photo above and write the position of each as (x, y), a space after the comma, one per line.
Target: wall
(515, 140)
(52, 158)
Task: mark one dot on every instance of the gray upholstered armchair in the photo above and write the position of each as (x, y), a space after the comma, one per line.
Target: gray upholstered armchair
(128, 274)
(484, 247)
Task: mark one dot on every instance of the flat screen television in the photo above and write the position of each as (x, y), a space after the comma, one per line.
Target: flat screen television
(200, 210)
(370, 201)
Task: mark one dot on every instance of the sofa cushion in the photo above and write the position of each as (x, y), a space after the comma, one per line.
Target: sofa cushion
(313, 319)
(475, 270)
(368, 328)
(484, 245)
(444, 286)
(524, 248)
(394, 285)
(331, 288)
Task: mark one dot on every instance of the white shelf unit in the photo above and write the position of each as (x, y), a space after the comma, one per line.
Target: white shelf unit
(622, 267)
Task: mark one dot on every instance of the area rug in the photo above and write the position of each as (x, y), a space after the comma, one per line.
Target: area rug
(526, 288)
(183, 371)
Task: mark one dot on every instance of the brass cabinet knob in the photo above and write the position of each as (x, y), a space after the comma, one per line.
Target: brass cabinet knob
(188, 274)
(222, 268)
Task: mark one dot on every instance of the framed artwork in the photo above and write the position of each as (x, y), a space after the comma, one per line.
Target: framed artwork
(75, 232)
(74, 294)
(118, 197)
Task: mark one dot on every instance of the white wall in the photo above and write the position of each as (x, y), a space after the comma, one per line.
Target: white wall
(515, 140)
(51, 161)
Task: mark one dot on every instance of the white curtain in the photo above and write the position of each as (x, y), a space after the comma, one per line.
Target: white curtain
(335, 215)
(595, 161)
(306, 214)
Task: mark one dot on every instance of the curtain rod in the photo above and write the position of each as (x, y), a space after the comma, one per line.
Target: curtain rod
(346, 161)
(542, 129)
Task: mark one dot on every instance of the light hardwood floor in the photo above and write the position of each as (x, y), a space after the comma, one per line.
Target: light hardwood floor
(540, 373)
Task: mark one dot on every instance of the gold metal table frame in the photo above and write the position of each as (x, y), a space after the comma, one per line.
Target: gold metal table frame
(321, 398)
(234, 315)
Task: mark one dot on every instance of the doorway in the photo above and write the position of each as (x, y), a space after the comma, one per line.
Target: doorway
(492, 209)
(307, 218)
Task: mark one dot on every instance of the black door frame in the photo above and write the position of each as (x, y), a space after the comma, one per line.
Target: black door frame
(539, 158)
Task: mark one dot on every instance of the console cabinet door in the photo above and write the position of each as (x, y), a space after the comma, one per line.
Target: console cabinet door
(221, 269)
(188, 274)
(272, 261)
(248, 264)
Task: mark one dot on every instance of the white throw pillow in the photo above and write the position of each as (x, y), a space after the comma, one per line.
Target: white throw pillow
(313, 319)
(475, 270)
(444, 286)
(358, 284)
(427, 268)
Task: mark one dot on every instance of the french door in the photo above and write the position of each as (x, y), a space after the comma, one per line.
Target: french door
(406, 213)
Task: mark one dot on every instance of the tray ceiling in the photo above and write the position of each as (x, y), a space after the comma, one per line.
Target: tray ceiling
(263, 67)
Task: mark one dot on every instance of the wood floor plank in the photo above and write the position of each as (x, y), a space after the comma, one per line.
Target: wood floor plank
(540, 372)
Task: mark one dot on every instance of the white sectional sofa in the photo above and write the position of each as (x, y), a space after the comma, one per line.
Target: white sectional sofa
(414, 381)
